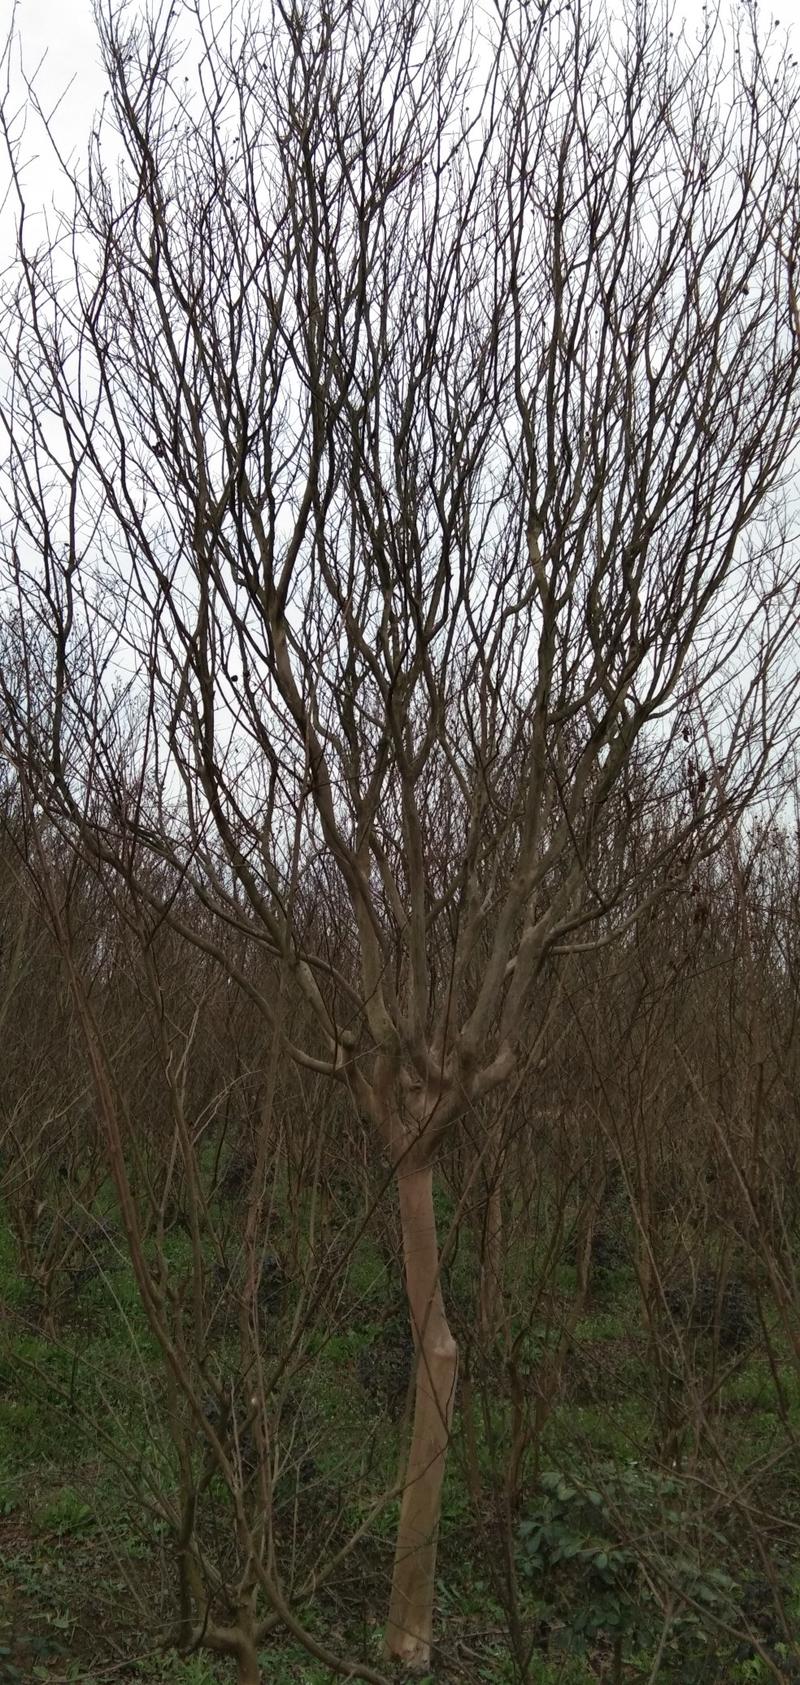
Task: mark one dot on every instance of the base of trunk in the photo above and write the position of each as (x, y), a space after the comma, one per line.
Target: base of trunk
(409, 1629)
(247, 1668)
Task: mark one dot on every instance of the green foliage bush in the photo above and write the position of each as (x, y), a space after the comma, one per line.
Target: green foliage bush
(598, 1555)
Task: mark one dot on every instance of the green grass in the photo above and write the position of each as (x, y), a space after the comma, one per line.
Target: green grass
(88, 1579)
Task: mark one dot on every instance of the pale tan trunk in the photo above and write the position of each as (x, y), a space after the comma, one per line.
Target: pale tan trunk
(409, 1628)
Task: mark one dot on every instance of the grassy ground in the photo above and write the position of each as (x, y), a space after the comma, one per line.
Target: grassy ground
(605, 1536)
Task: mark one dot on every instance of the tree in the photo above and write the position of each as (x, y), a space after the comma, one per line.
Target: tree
(397, 433)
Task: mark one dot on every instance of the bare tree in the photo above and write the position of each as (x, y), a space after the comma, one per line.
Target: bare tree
(396, 441)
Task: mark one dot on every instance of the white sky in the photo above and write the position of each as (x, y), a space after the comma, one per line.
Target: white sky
(62, 32)
(57, 37)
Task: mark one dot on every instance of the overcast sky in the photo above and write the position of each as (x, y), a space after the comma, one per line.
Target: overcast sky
(57, 41)
(58, 37)
(62, 32)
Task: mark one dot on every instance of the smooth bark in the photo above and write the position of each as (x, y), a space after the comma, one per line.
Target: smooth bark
(248, 1671)
(410, 1623)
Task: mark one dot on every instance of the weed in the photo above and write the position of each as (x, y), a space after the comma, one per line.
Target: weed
(67, 1513)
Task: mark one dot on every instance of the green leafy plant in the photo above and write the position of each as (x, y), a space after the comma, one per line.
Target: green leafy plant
(574, 1553)
(66, 1514)
(566, 1545)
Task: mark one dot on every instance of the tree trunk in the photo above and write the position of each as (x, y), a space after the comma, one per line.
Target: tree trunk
(247, 1668)
(410, 1624)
